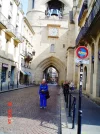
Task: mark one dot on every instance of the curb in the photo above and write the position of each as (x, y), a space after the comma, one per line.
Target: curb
(64, 124)
(15, 89)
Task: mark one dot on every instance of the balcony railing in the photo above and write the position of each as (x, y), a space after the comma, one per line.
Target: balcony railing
(83, 11)
(10, 29)
(94, 12)
(3, 21)
(18, 37)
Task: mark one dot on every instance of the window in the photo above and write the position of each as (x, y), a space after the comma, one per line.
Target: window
(33, 4)
(9, 18)
(11, 6)
(22, 62)
(16, 28)
(0, 7)
(7, 44)
(52, 48)
(63, 45)
(11, 9)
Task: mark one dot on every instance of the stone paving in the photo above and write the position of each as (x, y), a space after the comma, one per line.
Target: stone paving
(27, 117)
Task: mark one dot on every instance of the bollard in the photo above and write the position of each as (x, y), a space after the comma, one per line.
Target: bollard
(69, 105)
(65, 97)
(17, 83)
(12, 85)
(8, 85)
(79, 121)
(1, 85)
(74, 110)
(67, 101)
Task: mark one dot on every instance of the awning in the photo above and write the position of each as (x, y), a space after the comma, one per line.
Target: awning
(28, 73)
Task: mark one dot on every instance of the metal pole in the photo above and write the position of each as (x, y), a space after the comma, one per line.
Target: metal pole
(8, 85)
(69, 105)
(80, 100)
(67, 101)
(1, 85)
(74, 110)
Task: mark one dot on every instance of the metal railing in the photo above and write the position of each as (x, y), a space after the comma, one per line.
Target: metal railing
(3, 19)
(70, 101)
(19, 36)
(95, 10)
(10, 28)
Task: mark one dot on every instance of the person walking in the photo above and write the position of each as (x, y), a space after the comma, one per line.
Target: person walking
(43, 92)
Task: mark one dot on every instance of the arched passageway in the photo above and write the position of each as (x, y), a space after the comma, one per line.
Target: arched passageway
(51, 75)
(50, 62)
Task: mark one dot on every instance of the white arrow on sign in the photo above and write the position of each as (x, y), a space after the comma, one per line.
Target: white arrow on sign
(81, 61)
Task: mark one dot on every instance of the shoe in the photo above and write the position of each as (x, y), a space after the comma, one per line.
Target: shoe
(40, 107)
(44, 107)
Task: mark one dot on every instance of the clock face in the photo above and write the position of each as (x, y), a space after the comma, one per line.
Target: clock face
(53, 31)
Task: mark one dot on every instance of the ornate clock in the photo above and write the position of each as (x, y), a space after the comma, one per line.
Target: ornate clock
(53, 31)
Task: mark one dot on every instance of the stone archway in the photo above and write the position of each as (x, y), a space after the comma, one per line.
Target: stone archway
(50, 61)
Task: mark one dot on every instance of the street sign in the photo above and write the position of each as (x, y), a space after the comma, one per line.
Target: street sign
(77, 60)
(82, 52)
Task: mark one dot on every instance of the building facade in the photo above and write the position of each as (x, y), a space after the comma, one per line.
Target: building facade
(87, 16)
(11, 16)
(27, 52)
(50, 21)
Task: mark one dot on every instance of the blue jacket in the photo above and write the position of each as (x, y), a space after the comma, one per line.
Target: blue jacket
(43, 87)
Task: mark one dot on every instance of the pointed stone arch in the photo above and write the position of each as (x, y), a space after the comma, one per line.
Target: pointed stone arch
(46, 63)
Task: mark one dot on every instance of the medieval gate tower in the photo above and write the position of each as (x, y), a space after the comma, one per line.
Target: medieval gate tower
(53, 36)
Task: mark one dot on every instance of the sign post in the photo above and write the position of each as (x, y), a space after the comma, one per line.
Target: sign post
(82, 53)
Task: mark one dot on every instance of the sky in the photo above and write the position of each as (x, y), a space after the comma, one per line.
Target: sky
(25, 5)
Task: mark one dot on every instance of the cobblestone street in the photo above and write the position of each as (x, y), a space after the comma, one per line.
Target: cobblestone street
(27, 117)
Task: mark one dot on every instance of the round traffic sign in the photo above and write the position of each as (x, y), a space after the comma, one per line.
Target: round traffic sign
(82, 52)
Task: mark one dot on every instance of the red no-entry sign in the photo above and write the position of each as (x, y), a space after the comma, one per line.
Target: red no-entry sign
(82, 52)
